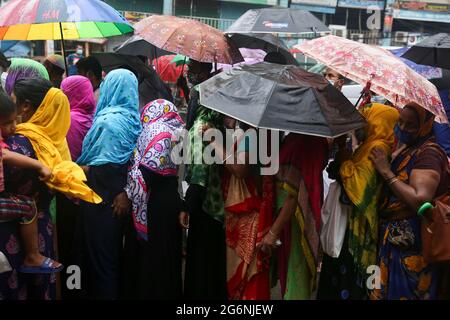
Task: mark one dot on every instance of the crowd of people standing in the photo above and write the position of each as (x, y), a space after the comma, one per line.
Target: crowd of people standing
(105, 191)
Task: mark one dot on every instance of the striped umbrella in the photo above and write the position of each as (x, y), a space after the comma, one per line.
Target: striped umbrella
(59, 20)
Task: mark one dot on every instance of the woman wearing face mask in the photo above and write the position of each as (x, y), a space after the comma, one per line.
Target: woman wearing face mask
(417, 174)
(345, 277)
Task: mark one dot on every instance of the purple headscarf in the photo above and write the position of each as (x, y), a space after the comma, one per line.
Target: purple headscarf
(82, 108)
(21, 69)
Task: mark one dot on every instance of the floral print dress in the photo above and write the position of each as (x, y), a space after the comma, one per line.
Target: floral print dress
(13, 285)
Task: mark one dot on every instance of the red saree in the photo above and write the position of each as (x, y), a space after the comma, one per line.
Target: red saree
(248, 219)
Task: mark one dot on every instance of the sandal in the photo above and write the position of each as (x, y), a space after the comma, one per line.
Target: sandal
(48, 266)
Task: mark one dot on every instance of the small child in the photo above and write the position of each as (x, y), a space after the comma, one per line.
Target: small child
(21, 207)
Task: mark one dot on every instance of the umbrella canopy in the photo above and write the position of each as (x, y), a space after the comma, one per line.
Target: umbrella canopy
(442, 83)
(191, 38)
(136, 46)
(251, 56)
(389, 76)
(264, 41)
(167, 70)
(278, 97)
(433, 51)
(425, 71)
(180, 60)
(151, 87)
(274, 20)
(40, 20)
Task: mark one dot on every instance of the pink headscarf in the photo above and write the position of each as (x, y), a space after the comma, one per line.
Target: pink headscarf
(82, 108)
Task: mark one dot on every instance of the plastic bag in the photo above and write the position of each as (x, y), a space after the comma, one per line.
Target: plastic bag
(334, 221)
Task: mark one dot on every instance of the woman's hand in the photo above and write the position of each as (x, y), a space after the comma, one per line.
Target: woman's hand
(381, 163)
(45, 174)
(203, 128)
(184, 219)
(269, 243)
(121, 204)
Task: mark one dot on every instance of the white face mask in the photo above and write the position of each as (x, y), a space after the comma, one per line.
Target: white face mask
(80, 51)
(331, 82)
(3, 79)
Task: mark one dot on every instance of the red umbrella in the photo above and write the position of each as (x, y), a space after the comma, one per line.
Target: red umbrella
(167, 70)
(191, 38)
(387, 75)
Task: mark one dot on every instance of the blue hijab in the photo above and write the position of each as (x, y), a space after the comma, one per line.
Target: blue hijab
(116, 127)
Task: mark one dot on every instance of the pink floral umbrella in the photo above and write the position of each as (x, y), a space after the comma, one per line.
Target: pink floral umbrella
(388, 75)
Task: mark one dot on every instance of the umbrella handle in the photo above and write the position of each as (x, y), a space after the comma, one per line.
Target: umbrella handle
(359, 99)
(63, 48)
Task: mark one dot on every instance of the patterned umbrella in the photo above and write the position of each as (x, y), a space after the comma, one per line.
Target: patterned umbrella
(388, 75)
(42, 19)
(191, 38)
(59, 20)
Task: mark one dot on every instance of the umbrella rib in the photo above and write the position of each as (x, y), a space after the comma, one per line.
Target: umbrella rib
(268, 99)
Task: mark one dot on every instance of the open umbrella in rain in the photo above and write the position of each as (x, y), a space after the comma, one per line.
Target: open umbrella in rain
(432, 51)
(278, 97)
(136, 46)
(167, 70)
(425, 71)
(251, 56)
(180, 60)
(387, 75)
(278, 20)
(190, 38)
(151, 87)
(59, 20)
(442, 83)
(266, 42)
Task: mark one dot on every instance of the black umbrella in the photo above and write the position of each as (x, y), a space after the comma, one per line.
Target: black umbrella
(264, 41)
(272, 20)
(136, 46)
(442, 83)
(286, 98)
(151, 87)
(433, 51)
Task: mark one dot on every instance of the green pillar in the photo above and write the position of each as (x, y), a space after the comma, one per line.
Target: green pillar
(167, 7)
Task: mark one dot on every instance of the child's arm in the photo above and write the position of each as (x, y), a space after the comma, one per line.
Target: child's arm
(21, 161)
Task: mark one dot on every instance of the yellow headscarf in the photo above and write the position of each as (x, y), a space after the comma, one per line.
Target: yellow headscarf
(47, 131)
(363, 185)
(381, 120)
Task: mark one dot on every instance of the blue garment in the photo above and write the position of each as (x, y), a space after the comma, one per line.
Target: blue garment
(442, 131)
(72, 61)
(116, 127)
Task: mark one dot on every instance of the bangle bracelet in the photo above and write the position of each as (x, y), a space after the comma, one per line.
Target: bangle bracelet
(392, 181)
(391, 178)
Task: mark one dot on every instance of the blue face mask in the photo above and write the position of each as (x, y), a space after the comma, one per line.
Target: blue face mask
(402, 136)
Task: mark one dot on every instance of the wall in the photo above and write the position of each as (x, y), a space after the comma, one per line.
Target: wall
(229, 10)
(200, 8)
(155, 6)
